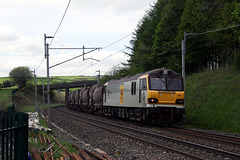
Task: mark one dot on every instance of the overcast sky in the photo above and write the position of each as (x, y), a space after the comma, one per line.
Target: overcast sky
(92, 23)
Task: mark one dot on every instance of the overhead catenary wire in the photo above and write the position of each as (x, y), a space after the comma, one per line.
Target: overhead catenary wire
(78, 67)
(214, 30)
(113, 43)
(40, 64)
(55, 32)
(102, 60)
(60, 22)
(117, 41)
(102, 48)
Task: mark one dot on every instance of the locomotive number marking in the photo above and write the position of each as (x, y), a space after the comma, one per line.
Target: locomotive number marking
(121, 94)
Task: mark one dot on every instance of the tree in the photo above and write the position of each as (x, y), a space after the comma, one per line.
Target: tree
(116, 72)
(157, 40)
(164, 47)
(141, 56)
(212, 49)
(236, 15)
(20, 76)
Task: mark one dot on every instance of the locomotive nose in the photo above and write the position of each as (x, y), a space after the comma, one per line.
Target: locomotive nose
(167, 97)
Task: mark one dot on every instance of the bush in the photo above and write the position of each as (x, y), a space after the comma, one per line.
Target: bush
(20, 76)
(7, 83)
(30, 86)
(52, 94)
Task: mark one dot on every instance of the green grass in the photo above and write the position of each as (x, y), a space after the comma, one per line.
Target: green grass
(62, 79)
(6, 97)
(213, 100)
(4, 79)
(56, 79)
(32, 108)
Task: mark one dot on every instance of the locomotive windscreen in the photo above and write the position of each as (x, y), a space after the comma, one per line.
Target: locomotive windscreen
(166, 84)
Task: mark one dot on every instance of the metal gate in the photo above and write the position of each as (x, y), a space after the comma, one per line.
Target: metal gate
(14, 135)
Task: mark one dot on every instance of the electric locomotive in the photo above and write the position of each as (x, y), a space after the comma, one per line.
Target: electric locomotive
(156, 96)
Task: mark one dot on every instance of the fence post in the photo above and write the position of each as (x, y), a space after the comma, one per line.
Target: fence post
(14, 130)
(3, 127)
(6, 134)
(21, 148)
(11, 113)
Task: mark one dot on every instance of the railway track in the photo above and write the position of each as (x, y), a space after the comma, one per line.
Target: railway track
(227, 140)
(188, 149)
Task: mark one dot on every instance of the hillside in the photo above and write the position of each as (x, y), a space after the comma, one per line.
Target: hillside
(26, 97)
(213, 100)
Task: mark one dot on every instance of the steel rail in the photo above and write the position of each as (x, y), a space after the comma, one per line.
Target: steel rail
(235, 139)
(123, 134)
(208, 136)
(226, 153)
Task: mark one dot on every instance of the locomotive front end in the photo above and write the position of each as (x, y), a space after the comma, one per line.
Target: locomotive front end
(165, 96)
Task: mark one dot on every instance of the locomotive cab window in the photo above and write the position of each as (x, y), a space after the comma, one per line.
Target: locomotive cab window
(133, 88)
(174, 84)
(158, 83)
(143, 84)
(105, 94)
(166, 84)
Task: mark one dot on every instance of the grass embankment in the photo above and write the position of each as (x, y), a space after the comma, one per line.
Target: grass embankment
(213, 100)
(6, 97)
(24, 101)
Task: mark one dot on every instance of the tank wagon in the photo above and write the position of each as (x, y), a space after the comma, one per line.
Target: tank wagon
(156, 96)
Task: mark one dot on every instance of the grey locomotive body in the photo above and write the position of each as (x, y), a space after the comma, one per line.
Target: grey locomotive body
(153, 96)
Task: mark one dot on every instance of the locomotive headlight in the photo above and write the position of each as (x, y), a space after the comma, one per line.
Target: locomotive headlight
(179, 101)
(152, 100)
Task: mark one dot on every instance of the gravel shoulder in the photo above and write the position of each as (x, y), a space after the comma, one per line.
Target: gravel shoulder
(116, 146)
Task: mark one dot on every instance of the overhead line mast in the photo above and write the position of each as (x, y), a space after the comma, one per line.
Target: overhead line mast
(46, 45)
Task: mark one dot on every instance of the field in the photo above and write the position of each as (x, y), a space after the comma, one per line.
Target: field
(4, 79)
(26, 98)
(62, 79)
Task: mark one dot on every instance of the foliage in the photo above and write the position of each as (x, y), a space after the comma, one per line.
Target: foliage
(236, 62)
(7, 83)
(30, 86)
(157, 39)
(20, 75)
(52, 94)
(164, 45)
(6, 97)
(141, 56)
(213, 49)
(115, 73)
(212, 100)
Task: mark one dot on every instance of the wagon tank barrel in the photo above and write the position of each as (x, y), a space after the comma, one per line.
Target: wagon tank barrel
(66, 86)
